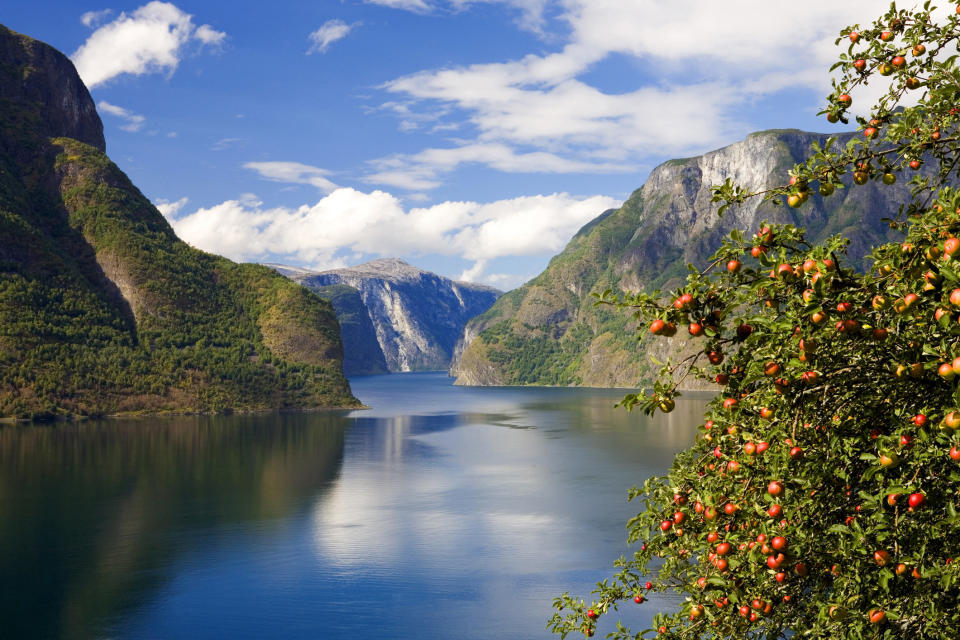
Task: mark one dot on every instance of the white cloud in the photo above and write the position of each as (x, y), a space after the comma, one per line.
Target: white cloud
(225, 143)
(418, 6)
(531, 11)
(134, 122)
(92, 18)
(170, 209)
(701, 66)
(152, 39)
(420, 171)
(328, 33)
(376, 223)
(208, 35)
(294, 173)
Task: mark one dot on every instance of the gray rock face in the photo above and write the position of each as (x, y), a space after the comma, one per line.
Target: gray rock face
(549, 332)
(36, 74)
(417, 316)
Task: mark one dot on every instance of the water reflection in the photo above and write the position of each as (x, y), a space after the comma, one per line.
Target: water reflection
(444, 511)
(95, 514)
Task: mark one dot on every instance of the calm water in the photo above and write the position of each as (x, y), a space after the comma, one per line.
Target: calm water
(443, 512)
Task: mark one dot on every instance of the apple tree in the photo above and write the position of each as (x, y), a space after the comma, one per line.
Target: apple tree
(820, 498)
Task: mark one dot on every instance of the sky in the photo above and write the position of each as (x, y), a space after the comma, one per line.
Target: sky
(469, 137)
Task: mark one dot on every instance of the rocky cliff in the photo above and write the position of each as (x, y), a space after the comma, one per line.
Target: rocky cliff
(549, 332)
(102, 308)
(417, 316)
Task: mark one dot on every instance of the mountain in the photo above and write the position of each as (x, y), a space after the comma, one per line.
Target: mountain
(362, 354)
(548, 331)
(417, 316)
(102, 308)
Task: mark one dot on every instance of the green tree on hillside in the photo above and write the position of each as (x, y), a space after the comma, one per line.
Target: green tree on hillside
(821, 496)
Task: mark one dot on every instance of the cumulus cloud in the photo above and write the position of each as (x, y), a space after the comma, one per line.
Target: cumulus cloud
(419, 6)
(328, 33)
(376, 223)
(92, 18)
(704, 66)
(134, 122)
(152, 39)
(293, 173)
(420, 171)
(170, 209)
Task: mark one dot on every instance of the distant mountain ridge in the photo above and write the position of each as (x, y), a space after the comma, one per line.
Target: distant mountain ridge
(549, 331)
(417, 316)
(103, 309)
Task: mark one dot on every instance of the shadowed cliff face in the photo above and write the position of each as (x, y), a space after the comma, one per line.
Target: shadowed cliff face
(417, 316)
(549, 332)
(37, 76)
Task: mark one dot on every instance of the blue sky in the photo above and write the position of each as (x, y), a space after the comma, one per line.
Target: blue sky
(471, 138)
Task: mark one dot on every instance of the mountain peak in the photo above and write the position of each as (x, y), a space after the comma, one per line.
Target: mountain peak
(41, 89)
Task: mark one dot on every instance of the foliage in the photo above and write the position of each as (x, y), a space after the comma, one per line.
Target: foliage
(821, 496)
(103, 310)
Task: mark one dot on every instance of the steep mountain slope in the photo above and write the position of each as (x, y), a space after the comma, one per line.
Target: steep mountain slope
(549, 332)
(102, 308)
(418, 316)
(362, 354)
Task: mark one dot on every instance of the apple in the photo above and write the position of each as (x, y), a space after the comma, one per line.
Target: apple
(779, 543)
(952, 420)
(870, 132)
(666, 525)
(882, 557)
(774, 510)
(889, 459)
(854, 36)
(916, 500)
(796, 453)
(888, 178)
(860, 177)
(876, 616)
(762, 446)
(744, 331)
(946, 371)
(729, 403)
(775, 488)
(638, 598)
(733, 266)
(920, 420)
(915, 164)
(715, 357)
(776, 561)
(906, 441)
(860, 64)
(724, 548)
(898, 62)
(591, 614)
(919, 50)
(886, 36)
(844, 100)
(766, 413)
(837, 612)
(826, 189)
(912, 83)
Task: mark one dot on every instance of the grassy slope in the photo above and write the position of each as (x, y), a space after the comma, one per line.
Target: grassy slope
(104, 310)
